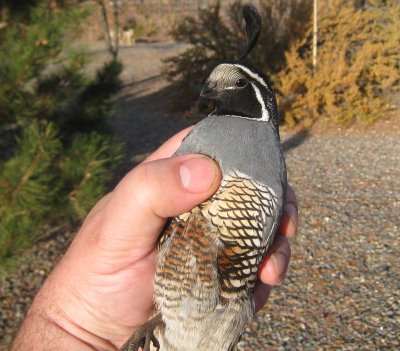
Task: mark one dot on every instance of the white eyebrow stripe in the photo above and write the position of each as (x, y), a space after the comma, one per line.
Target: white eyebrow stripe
(264, 111)
(252, 75)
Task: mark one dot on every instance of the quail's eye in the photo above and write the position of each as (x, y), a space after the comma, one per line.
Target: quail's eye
(241, 82)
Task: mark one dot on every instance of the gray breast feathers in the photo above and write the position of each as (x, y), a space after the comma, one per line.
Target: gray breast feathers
(240, 145)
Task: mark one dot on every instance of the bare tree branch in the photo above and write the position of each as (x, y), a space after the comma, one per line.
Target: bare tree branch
(112, 47)
(115, 5)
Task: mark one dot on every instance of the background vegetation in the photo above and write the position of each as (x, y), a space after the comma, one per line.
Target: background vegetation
(358, 66)
(358, 58)
(56, 157)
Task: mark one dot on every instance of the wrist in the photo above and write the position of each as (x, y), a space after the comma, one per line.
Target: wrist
(46, 327)
(41, 334)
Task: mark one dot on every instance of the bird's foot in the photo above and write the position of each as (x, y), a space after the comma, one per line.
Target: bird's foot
(143, 336)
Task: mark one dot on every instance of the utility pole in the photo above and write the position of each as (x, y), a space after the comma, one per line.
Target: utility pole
(315, 37)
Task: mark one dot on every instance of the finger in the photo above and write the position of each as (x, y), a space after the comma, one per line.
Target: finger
(170, 146)
(152, 192)
(290, 217)
(273, 268)
(261, 294)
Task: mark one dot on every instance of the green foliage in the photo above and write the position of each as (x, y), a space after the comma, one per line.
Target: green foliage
(95, 100)
(217, 36)
(55, 157)
(25, 50)
(86, 170)
(358, 66)
(28, 186)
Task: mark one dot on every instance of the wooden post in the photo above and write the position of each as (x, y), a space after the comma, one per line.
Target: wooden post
(315, 37)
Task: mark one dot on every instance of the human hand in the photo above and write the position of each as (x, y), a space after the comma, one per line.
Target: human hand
(102, 289)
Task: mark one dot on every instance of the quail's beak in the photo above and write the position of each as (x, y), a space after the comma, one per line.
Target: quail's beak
(208, 90)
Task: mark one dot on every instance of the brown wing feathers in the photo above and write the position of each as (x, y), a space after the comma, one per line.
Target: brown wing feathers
(228, 228)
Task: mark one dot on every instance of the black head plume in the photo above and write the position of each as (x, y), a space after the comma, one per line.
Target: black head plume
(253, 27)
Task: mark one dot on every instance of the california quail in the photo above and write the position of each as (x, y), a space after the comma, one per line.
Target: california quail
(209, 257)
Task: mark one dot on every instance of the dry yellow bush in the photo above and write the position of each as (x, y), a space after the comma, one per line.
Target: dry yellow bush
(357, 71)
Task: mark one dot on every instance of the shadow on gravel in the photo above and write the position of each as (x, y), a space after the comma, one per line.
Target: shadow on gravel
(146, 80)
(295, 140)
(145, 120)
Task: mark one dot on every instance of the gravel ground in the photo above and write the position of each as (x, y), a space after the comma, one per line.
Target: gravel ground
(342, 291)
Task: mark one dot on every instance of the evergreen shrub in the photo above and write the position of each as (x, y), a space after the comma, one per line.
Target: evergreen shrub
(56, 154)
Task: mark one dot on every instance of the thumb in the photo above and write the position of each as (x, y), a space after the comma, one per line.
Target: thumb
(141, 203)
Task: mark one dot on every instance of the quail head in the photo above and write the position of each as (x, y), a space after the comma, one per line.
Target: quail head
(209, 257)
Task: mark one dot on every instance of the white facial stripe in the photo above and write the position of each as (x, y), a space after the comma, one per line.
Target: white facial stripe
(265, 114)
(252, 75)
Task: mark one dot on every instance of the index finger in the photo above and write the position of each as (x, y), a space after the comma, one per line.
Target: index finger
(290, 217)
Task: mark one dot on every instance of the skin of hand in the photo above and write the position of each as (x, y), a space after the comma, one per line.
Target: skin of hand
(102, 289)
